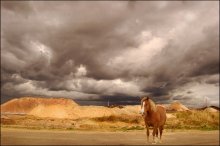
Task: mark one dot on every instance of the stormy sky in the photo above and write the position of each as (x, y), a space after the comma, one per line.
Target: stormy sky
(97, 51)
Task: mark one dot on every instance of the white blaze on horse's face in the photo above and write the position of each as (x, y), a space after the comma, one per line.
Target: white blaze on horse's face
(142, 108)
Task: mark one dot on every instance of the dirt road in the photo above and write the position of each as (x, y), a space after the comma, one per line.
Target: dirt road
(55, 137)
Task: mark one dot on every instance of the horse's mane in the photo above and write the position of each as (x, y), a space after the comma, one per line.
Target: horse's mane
(152, 104)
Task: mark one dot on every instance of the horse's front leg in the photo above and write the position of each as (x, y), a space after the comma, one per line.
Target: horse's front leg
(155, 128)
(147, 130)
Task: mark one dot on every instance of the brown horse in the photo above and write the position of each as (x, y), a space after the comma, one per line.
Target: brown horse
(154, 115)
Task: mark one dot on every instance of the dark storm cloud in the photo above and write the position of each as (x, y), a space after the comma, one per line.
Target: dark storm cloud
(156, 91)
(213, 81)
(177, 69)
(113, 100)
(117, 49)
(24, 7)
(16, 79)
(181, 97)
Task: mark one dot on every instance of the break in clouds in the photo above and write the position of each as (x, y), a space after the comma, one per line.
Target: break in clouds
(98, 51)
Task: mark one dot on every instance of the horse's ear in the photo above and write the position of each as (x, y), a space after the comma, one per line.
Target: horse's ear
(148, 97)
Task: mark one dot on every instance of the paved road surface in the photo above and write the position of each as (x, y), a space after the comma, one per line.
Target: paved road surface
(55, 137)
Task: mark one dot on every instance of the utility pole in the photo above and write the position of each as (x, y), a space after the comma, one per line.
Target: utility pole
(206, 101)
(108, 102)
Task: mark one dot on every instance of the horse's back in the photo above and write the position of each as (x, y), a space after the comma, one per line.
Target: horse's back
(162, 112)
(161, 109)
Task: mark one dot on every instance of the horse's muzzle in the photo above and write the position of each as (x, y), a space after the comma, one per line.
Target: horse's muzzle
(141, 112)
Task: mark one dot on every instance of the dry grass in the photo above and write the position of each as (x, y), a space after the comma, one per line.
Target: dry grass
(123, 118)
(202, 120)
(7, 121)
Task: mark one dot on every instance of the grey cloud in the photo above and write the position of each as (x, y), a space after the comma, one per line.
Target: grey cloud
(23, 8)
(181, 97)
(178, 66)
(46, 43)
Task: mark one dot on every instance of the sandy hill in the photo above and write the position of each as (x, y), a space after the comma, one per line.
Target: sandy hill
(211, 109)
(215, 107)
(61, 108)
(57, 111)
(177, 106)
(100, 111)
(28, 105)
(67, 108)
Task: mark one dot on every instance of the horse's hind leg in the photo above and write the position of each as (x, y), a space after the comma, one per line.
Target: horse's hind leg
(157, 132)
(161, 131)
(157, 138)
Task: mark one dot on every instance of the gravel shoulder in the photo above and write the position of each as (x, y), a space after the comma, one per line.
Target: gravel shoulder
(11, 136)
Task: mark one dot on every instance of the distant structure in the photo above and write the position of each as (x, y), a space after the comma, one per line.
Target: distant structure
(108, 103)
(206, 101)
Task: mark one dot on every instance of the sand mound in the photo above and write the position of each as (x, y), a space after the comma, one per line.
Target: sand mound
(61, 108)
(53, 111)
(26, 105)
(67, 108)
(210, 109)
(100, 111)
(177, 106)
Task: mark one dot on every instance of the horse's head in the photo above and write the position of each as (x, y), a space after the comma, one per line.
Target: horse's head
(147, 105)
(144, 105)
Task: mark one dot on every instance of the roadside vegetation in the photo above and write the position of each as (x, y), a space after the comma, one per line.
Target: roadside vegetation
(189, 120)
(202, 120)
(123, 118)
